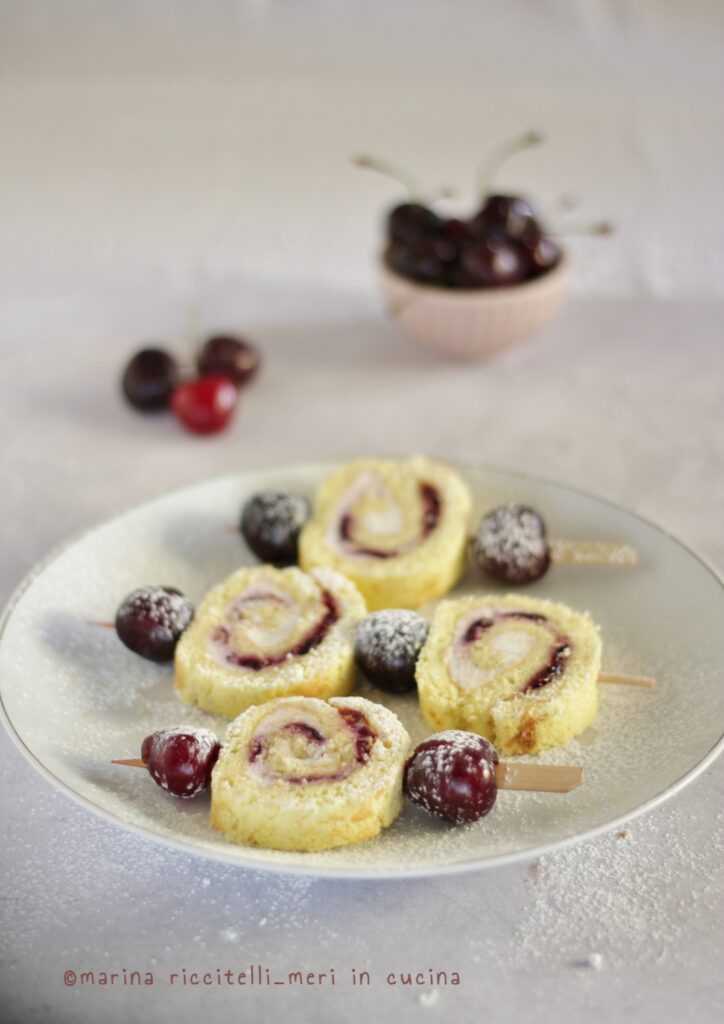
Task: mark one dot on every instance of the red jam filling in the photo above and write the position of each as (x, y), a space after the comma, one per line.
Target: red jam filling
(431, 512)
(354, 720)
(559, 653)
(255, 662)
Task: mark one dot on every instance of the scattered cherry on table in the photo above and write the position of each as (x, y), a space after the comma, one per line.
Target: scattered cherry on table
(205, 404)
(149, 379)
(229, 356)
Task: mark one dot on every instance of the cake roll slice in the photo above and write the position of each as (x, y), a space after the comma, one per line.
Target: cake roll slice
(301, 774)
(398, 529)
(266, 633)
(519, 671)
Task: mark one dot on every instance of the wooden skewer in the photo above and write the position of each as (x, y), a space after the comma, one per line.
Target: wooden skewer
(593, 552)
(646, 682)
(542, 778)
(103, 625)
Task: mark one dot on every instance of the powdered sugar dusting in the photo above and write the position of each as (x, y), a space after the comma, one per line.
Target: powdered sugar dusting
(275, 516)
(611, 896)
(170, 610)
(397, 633)
(510, 541)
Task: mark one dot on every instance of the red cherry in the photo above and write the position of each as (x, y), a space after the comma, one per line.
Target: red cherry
(205, 405)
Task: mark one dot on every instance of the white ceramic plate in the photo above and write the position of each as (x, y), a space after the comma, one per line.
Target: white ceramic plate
(73, 697)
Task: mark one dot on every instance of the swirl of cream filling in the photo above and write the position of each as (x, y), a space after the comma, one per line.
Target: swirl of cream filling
(370, 520)
(265, 626)
(296, 746)
(489, 641)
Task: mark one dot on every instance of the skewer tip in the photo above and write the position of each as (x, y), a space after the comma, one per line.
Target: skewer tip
(542, 778)
(593, 552)
(643, 682)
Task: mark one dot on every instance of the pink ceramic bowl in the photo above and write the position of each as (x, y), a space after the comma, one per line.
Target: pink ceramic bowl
(474, 323)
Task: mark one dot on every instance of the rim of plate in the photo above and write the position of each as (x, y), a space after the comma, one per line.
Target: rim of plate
(385, 873)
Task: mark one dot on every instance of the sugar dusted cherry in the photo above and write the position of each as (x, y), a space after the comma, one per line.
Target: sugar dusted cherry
(181, 759)
(270, 524)
(510, 544)
(451, 775)
(387, 645)
(151, 619)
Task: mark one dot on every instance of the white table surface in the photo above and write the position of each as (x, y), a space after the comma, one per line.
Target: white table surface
(106, 246)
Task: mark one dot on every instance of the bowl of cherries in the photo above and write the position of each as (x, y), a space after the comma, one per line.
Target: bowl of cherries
(470, 286)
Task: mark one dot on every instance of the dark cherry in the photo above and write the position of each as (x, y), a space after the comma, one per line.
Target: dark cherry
(151, 619)
(181, 759)
(510, 544)
(456, 230)
(149, 379)
(412, 222)
(427, 261)
(205, 405)
(508, 215)
(493, 263)
(540, 253)
(387, 646)
(458, 277)
(452, 776)
(270, 524)
(230, 357)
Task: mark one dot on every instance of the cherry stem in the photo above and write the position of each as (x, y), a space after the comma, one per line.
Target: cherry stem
(132, 762)
(501, 155)
(600, 230)
(192, 328)
(102, 625)
(389, 170)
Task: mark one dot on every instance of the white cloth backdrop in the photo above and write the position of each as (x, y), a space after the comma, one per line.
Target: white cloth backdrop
(165, 140)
